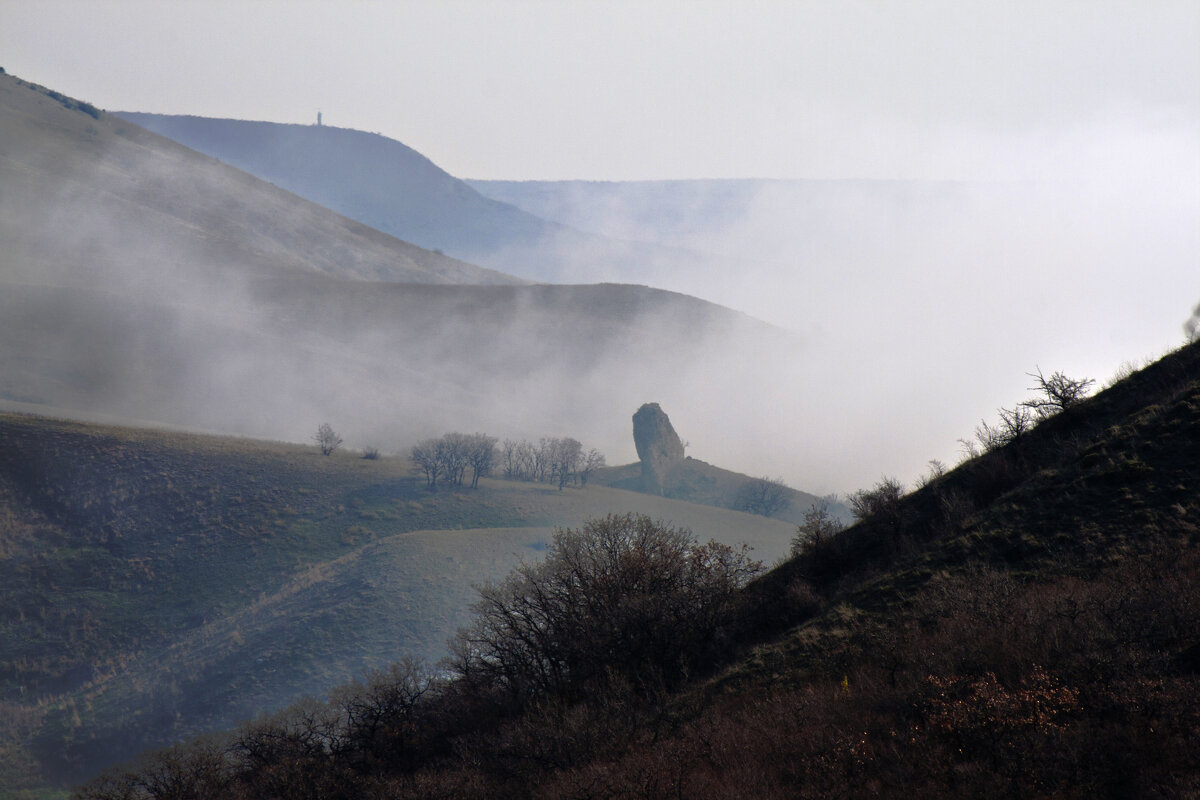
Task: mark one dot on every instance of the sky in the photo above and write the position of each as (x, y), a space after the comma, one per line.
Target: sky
(624, 90)
(921, 318)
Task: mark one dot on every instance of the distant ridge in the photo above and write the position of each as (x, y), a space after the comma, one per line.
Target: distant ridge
(389, 186)
(122, 199)
(376, 180)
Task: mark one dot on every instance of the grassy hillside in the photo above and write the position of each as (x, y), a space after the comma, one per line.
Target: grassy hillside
(384, 184)
(160, 584)
(1026, 625)
(130, 203)
(697, 481)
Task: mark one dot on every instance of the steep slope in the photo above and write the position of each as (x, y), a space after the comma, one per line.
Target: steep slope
(389, 186)
(163, 584)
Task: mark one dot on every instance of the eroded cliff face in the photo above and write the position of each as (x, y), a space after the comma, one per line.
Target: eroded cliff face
(658, 445)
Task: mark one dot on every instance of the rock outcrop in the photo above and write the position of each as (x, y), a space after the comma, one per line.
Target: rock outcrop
(658, 446)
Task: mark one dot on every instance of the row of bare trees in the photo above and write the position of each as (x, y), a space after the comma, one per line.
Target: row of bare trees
(448, 457)
(558, 461)
(552, 460)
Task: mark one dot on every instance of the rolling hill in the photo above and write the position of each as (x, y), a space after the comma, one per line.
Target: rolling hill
(1025, 625)
(145, 281)
(390, 187)
(162, 584)
(696, 481)
(131, 205)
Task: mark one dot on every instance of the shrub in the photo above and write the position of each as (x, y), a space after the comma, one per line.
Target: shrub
(882, 502)
(818, 528)
(624, 598)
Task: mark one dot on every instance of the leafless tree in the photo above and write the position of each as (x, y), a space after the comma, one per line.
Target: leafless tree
(455, 449)
(378, 717)
(327, 439)
(566, 456)
(593, 460)
(1058, 393)
(481, 453)
(1014, 423)
(764, 496)
(429, 456)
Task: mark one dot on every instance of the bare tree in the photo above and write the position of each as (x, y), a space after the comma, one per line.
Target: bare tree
(429, 456)
(509, 458)
(764, 496)
(1014, 423)
(455, 449)
(937, 470)
(543, 458)
(1058, 393)
(481, 453)
(378, 718)
(566, 456)
(592, 460)
(326, 439)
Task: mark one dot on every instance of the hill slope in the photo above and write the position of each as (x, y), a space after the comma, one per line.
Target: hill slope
(147, 282)
(1026, 625)
(391, 187)
(133, 205)
(164, 584)
(697, 481)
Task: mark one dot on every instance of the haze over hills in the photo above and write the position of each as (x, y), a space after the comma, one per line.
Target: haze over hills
(391, 187)
(180, 565)
(701, 213)
(838, 262)
(146, 281)
(128, 204)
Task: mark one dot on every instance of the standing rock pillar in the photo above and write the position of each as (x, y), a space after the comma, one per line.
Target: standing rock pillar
(658, 446)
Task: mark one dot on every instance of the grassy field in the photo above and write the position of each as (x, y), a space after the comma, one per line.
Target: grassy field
(159, 584)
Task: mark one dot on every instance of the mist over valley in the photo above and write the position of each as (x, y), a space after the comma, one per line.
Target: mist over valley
(904, 297)
(720, 401)
(145, 281)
